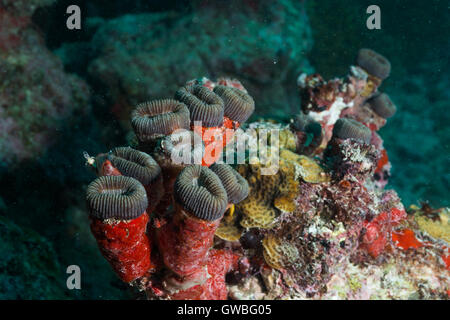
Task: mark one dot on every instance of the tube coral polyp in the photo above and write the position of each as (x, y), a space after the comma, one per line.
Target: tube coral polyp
(119, 222)
(141, 166)
(136, 164)
(354, 96)
(202, 195)
(237, 105)
(184, 242)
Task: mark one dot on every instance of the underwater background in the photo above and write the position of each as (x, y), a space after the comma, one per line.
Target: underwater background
(63, 92)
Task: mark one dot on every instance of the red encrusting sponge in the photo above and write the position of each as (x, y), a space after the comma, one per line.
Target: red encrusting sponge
(125, 245)
(117, 207)
(378, 230)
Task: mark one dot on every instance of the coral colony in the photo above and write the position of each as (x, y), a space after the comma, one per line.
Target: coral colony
(320, 226)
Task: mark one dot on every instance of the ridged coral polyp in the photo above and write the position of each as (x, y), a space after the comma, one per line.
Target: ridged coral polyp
(125, 245)
(126, 263)
(378, 231)
(184, 242)
(154, 190)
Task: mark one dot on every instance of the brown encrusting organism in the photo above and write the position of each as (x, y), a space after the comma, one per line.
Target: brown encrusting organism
(157, 118)
(116, 197)
(238, 105)
(204, 105)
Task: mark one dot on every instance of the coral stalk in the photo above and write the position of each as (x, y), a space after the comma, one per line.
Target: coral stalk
(125, 245)
(119, 222)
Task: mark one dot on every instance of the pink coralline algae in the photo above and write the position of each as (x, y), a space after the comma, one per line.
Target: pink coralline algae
(35, 92)
(321, 227)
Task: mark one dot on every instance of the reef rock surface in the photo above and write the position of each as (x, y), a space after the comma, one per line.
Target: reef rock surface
(29, 268)
(36, 95)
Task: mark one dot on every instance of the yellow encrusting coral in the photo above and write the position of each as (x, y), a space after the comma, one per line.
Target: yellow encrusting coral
(229, 228)
(437, 228)
(308, 169)
(273, 194)
(268, 194)
(259, 216)
(278, 253)
(287, 139)
(369, 88)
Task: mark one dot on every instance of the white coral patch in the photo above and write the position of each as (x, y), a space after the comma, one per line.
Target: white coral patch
(331, 115)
